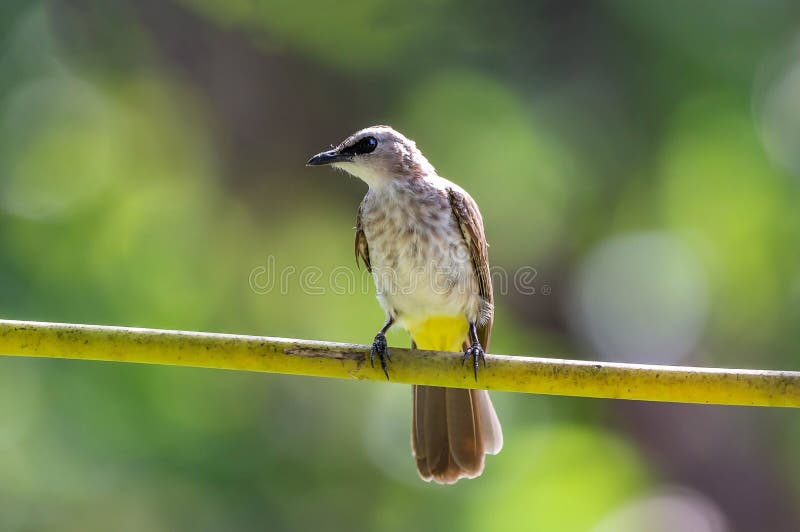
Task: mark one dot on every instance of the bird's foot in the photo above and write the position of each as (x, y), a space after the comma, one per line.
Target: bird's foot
(478, 355)
(380, 349)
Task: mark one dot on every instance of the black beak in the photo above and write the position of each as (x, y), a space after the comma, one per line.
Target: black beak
(327, 157)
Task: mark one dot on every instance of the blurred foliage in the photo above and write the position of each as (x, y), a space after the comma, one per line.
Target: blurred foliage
(641, 156)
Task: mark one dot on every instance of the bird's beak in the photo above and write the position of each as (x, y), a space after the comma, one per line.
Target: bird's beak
(327, 157)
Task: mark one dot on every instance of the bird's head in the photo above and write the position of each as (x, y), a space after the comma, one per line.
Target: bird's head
(377, 155)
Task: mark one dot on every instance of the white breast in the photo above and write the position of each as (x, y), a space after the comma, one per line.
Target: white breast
(420, 263)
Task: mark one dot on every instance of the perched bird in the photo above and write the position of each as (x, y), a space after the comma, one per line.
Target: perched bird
(422, 239)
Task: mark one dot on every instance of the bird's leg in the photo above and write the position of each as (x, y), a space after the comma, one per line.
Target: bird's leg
(475, 350)
(380, 348)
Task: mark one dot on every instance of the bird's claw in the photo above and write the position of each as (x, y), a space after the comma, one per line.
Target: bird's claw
(380, 349)
(476, 352)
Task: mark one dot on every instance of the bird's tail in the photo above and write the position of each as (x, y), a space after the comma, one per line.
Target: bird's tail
(452, 429)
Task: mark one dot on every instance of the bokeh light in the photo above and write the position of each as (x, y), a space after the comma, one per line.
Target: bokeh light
(641, 298)
(666, 509)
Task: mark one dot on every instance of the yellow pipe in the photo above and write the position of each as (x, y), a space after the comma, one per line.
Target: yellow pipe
(349, 361)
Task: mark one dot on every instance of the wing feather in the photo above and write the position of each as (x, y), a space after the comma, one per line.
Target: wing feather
(361, 246)
(469, 219)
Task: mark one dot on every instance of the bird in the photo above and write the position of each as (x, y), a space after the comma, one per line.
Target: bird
(422, 239)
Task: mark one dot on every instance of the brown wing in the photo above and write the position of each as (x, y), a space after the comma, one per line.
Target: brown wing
(362, 249)
(469, 219)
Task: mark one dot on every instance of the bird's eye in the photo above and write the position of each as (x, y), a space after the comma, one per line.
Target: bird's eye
(365, 145)
(362, 147)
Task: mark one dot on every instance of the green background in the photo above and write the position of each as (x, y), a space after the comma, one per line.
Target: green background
(641, 157)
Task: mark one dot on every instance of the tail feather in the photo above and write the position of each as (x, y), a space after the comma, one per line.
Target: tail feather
(434, 430)
(464, 429)
(490, 426)
(452, 429)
